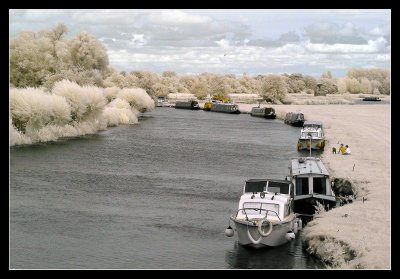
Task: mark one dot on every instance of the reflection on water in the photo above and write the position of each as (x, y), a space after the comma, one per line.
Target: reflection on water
(288, 256)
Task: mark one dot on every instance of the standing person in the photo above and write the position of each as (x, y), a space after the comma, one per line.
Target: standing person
(342, 149)
(347, 151)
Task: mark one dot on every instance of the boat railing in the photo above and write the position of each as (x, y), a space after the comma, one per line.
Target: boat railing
(257, 209)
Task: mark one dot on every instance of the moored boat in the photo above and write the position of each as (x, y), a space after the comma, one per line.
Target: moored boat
(194, 105)
(311, 136)
(311, 185)
(294, 119)
(374, 99)
(267, 112)
(163, 102)
(265, 217)
(225, 107)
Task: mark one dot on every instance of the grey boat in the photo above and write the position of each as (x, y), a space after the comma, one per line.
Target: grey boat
(311, 185)
(187, 105)
(294, 119)
(268, 113)
(225, 107)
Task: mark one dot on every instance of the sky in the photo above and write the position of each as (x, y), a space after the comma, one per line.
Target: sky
(233, 41)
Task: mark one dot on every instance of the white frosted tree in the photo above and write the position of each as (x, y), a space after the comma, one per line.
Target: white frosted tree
(341, 84)
(45, 57)
(273, 89)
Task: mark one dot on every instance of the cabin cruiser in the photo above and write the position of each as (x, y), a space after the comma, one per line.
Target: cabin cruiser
(294, 119)
(265, 217)
(311, 185)
(268, 113)
(163, 102)
(311, 136)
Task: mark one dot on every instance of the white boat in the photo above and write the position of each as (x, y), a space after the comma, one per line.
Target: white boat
(311, 135)
(163, 102)
(265, 217)
(311, 185)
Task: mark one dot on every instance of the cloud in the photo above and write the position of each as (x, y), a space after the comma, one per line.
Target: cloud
(378, 45)
(289, 37)
(176, 17)
(41, 15)
(104, 17)
(380, 31)
(346, 12)
(137, 40)
(331, 33)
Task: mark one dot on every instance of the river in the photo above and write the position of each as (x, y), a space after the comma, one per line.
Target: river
(155, 195)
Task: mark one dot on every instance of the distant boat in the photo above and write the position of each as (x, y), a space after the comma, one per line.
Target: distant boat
(163, 102)
(311, 135)
(194, 105)
(265, 217)
(225, 107)
(294, 119)
(311, 185)
(374, 99)
(268, 113)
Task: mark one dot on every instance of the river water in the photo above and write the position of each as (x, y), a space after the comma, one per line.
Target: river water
(156, 195)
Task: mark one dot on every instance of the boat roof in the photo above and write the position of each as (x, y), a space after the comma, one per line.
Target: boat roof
(267, 179)
(308, 165)
(312, 122)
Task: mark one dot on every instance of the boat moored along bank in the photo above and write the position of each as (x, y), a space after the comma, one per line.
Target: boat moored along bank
(268, 113)
(225, 107)
(194, 105)
(265, 217)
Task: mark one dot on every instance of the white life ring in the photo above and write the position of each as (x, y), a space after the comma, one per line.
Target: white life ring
(269, 227)
(258, 241)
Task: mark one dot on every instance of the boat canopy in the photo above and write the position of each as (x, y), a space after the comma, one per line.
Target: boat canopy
(308, 165)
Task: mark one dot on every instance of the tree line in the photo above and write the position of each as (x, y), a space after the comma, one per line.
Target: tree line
(40, 59)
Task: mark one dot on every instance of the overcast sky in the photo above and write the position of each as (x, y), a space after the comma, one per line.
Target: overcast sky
(228, 41)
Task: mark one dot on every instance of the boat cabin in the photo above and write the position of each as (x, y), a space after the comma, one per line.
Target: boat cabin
(313, 129)
(311, 184)
(265, 196)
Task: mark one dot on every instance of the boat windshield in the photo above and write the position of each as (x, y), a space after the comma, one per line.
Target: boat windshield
(276, 187)
(253, 208)
(255, 186)
(307, 134)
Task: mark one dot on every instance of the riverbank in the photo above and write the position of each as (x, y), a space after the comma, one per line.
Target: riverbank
(356, 235)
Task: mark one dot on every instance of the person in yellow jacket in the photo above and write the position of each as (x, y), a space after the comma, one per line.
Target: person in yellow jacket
(342, 149)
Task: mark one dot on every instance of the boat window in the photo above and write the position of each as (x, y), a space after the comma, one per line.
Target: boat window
(319, 185)
(276, 187)
(301, 186)
(255, 186)
(251, 206)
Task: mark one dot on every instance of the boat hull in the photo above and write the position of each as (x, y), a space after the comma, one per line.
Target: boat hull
(307, 205)
(276, 238)
(296, 123)
(317, 144)
(266, 116)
